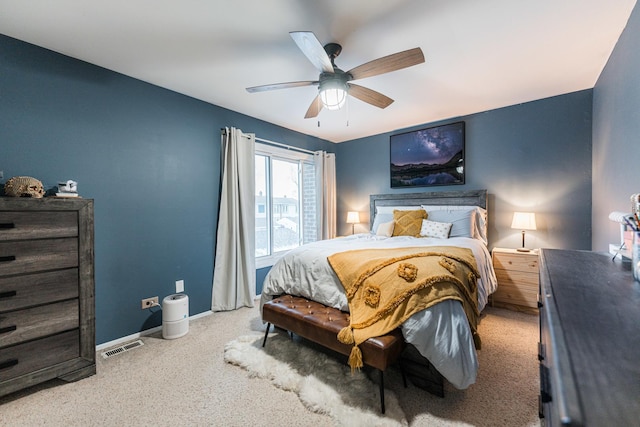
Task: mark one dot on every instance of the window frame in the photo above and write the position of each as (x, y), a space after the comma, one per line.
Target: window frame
(283, 154)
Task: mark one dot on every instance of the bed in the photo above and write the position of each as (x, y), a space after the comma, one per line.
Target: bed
(440, 333)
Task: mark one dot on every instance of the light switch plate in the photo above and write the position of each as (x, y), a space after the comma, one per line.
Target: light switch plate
(179, 286)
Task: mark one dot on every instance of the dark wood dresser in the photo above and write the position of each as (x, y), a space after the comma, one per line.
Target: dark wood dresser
(47, 313)
(589, 346)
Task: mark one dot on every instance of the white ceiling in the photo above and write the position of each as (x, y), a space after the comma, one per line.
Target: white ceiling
(480, 55)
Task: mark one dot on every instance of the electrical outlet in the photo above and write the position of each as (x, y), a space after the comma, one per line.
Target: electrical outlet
(149, 302)
(179, 286)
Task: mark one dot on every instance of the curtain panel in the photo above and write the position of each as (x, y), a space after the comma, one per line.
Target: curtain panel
(325, 167)
(234, 274)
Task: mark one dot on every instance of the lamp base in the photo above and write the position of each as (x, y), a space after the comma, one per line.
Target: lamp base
(523, 250)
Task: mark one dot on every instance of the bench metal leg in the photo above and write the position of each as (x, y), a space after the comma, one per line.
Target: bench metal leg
(381, 391)
(404, 375)
(266, 333)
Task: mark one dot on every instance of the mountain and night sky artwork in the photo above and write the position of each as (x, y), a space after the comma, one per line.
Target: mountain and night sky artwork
(426, 157)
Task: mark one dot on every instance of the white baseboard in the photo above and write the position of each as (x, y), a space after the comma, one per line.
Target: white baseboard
(137, 335)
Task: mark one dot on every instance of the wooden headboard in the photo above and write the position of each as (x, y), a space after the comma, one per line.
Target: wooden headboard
(457, 198)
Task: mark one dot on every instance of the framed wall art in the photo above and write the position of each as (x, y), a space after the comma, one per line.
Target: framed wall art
(428, 157)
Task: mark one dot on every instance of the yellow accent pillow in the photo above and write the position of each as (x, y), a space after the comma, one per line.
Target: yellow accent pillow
(408, 223)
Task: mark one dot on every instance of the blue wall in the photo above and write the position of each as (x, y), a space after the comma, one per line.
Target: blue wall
(616, 134)
(148, 156)
(534, 156)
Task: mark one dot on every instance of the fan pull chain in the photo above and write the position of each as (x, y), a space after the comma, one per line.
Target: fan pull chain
(347, 110)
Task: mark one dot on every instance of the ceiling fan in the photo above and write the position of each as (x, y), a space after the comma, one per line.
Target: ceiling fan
(333, 83)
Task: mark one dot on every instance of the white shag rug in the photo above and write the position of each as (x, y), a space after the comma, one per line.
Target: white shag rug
(323, 384)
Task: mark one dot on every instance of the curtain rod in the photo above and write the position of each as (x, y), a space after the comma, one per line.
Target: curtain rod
(288, 147)
(279, 144)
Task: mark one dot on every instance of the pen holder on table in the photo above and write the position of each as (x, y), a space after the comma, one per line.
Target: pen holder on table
(635, 255)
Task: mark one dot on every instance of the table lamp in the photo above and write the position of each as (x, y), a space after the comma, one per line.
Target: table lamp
(524, 221)
(353, 218)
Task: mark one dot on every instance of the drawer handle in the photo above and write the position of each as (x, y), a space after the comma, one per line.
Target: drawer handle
(8, 329)
(8, 363)
(8, 294)
(6, 225)
(7, 258)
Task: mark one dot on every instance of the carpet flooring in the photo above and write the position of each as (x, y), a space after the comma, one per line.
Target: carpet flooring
(186, 382)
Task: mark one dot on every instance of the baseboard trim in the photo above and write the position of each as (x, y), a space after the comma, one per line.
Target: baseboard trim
(146, 332)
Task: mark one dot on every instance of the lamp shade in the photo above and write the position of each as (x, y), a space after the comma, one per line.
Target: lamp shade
(524, 221)
(353, 218)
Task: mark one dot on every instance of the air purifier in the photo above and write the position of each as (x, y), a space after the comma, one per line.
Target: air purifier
(175, 316)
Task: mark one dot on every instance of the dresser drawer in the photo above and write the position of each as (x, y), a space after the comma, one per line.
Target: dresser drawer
(17, 292)
(37, 255)
(34, 355)
(20, 225)
(31, 323)
(516, 294)
(513, 277)
(517, 262)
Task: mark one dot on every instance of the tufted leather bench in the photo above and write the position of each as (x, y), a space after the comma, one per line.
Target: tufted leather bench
(321, 324)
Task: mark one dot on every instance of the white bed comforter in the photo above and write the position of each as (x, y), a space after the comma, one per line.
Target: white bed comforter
(440, 333)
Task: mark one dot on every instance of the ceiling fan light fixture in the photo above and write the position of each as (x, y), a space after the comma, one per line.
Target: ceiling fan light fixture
(333, 98)
(333, 92)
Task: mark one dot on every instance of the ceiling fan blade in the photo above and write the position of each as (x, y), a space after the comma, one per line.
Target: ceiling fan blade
(314, 108)
(311, 47)
(369, 96)
(386, 64)
(274, 86)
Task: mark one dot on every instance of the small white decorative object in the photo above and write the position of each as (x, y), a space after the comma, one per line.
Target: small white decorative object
(68, 187)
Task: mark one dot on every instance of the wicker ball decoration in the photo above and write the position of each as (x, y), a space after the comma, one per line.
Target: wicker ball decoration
(24, 186)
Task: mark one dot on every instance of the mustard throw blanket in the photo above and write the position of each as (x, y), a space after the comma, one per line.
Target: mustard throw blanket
(385, 287)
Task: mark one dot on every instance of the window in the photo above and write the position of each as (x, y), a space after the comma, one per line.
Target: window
(285, 202)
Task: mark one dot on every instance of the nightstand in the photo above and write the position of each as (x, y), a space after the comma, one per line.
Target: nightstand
(517, 274)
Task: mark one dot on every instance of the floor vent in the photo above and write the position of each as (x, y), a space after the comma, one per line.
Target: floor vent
(125, 347)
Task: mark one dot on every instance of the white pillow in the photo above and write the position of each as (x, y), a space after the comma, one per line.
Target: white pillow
(468, 221)
(385, 229)
(379, 219)
(435, 229)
